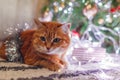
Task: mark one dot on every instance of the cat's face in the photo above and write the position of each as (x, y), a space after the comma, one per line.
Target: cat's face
(51, 37)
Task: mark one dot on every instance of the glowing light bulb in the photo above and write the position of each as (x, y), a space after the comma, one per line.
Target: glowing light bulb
(60, 8)
(70, 9)
(65, 11)
(100, 4)
(70, 4)
(115, 16)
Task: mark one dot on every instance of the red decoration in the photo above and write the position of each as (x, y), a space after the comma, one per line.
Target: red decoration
(75, 33)
(118, 8)
(112, 10)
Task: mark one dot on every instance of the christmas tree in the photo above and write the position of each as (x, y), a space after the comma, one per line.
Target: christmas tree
(104, 15)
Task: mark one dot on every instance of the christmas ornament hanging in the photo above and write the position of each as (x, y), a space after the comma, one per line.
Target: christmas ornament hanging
(90, 11)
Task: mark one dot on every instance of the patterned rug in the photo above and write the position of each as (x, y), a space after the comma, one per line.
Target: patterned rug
(17, 71)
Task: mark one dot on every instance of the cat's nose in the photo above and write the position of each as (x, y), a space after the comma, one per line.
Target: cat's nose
(48, 48)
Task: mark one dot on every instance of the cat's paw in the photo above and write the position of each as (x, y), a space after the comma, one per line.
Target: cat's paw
(64, 63)
(56, 67)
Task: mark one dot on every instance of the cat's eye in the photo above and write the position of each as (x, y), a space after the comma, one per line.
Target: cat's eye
(56, 40)
(42, 38)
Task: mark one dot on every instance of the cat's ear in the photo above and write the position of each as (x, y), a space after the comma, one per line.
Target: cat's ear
(38, 23)
(66, 27)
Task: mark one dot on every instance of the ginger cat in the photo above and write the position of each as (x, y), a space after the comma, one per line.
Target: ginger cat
(45, 46)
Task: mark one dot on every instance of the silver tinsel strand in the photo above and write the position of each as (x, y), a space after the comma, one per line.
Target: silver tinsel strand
(12, 45)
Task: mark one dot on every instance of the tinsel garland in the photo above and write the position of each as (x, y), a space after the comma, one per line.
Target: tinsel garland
(12, 45)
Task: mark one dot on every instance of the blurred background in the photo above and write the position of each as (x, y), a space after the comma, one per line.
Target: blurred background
(18, 14)
(92, 20)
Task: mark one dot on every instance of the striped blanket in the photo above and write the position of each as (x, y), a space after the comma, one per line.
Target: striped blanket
(17, 71)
